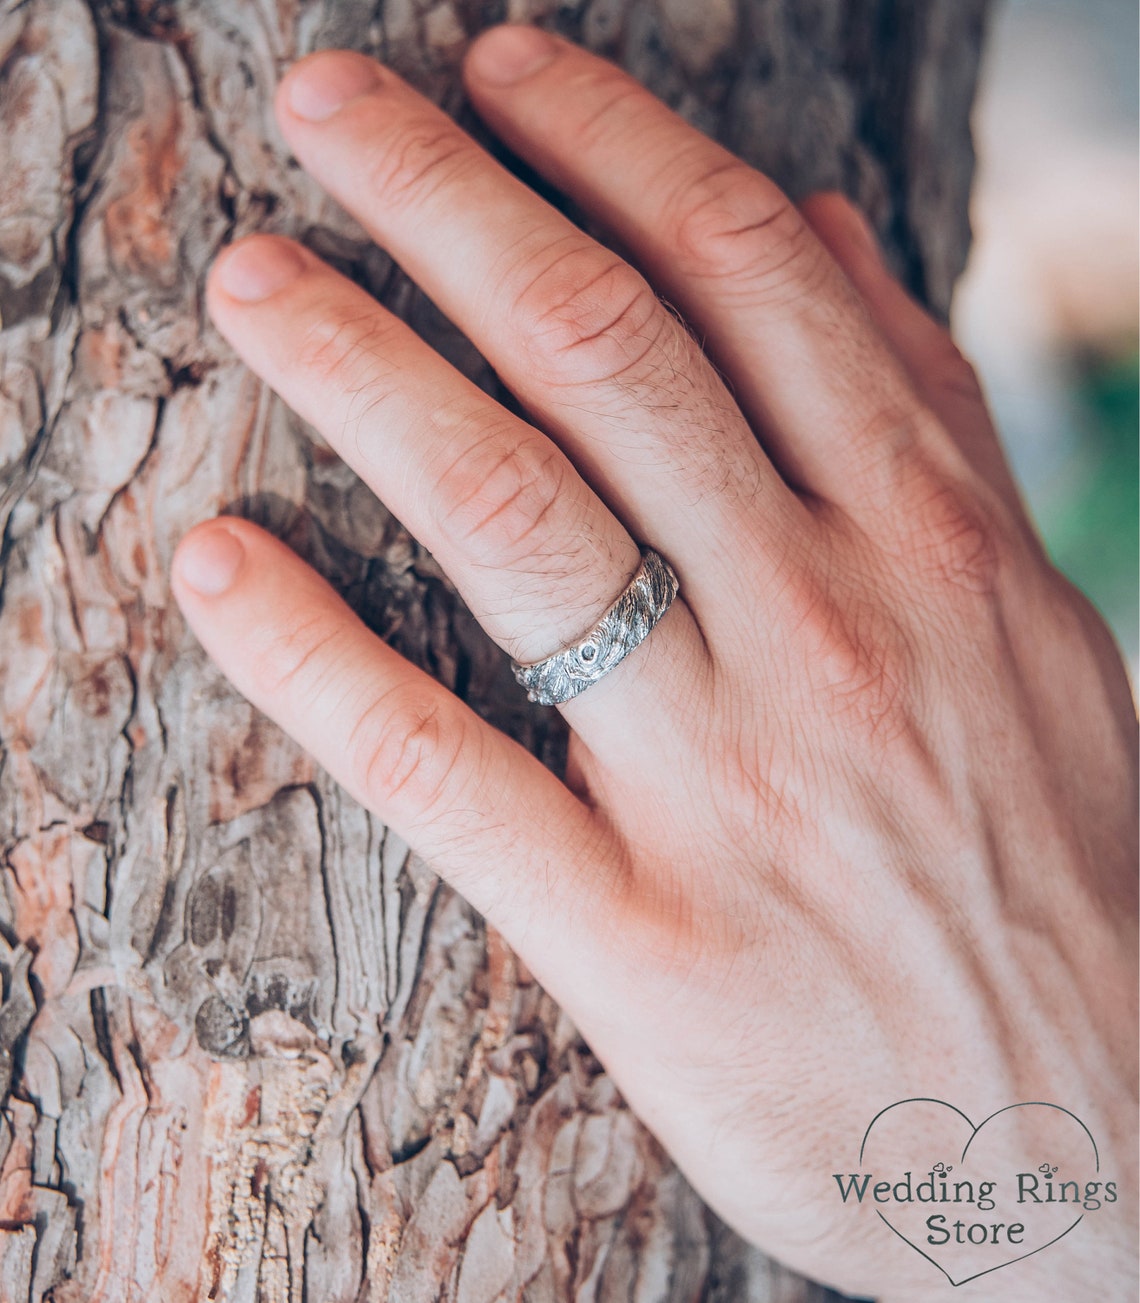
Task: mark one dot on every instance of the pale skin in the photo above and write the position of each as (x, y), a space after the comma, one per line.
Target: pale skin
(857, 822)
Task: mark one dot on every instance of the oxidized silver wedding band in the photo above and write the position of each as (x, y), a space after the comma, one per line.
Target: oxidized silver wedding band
(627, 623)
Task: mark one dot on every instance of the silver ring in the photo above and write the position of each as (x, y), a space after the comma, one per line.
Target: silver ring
(627, 623)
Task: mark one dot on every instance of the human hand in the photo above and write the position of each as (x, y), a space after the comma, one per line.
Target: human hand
(865, 793)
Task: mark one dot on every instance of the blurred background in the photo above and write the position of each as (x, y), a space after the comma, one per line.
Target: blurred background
(1048, 307)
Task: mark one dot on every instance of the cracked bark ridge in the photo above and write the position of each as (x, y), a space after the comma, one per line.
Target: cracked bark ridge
(250, 1049)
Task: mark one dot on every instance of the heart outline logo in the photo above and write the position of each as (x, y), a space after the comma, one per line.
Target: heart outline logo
(974, 1130)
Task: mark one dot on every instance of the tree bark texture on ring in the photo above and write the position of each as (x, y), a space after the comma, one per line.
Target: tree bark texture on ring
(250, 1048)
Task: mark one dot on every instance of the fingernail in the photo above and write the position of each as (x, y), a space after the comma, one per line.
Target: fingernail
(508, 54)
(324, 84)
(209, 561)
(258, 267)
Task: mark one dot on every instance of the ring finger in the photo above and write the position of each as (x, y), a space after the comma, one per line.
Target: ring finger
(535, 553)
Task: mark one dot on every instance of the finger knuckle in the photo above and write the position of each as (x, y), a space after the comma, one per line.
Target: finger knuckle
(879, 447)
(952, 540)
(500, 496)
(410, 164)
(734, 224)
(292, 659)
(348, 359)
(857, 657)
(610, 101)
(586, 317)
(405, 748)
(943, 522)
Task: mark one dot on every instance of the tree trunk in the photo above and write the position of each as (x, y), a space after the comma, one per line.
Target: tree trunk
(250, 1048)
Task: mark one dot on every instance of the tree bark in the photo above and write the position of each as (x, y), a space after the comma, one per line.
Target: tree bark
(250, 1048)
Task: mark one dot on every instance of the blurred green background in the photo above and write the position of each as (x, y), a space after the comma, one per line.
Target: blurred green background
(1088, 514)
(1047, 309)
